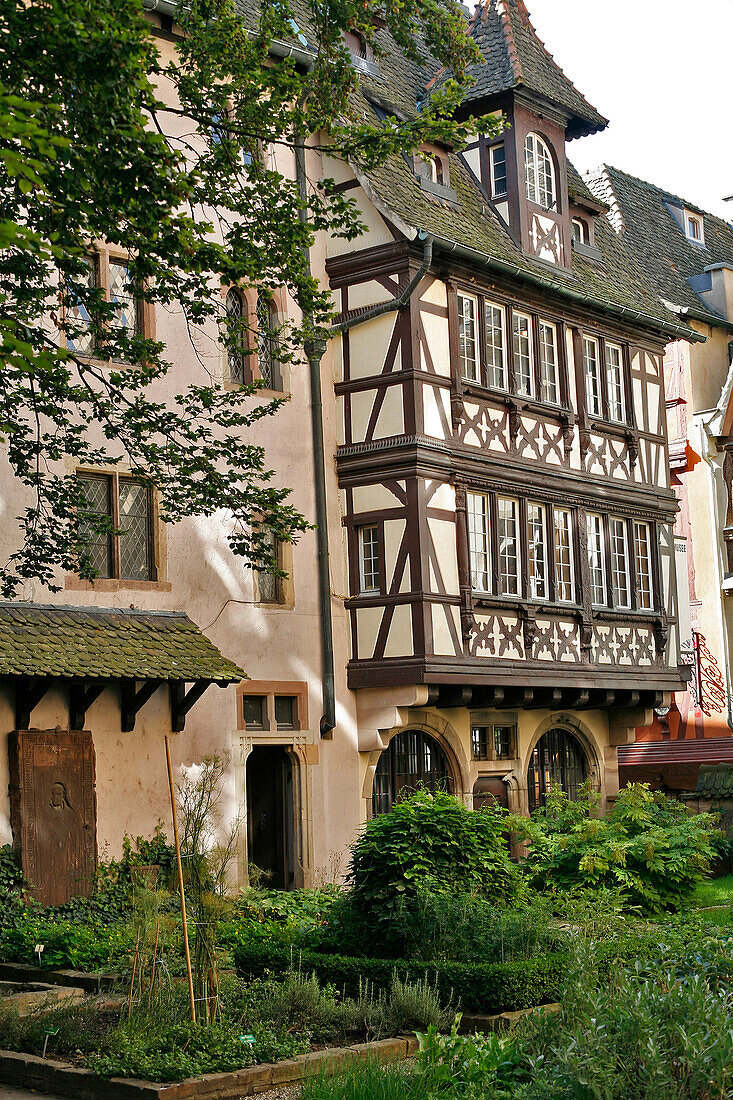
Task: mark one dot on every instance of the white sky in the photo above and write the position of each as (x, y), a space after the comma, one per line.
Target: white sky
(662, 72)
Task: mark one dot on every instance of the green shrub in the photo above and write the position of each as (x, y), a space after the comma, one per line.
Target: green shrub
(429, 844)
(466, 1064)
(649, 846)
(67, 943)
(370, 1080)
(476, 987)
(77, 1027)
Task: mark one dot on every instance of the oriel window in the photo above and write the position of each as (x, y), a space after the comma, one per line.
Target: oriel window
(126, 551)
(523, 359)
(509, 574)
(537, 551)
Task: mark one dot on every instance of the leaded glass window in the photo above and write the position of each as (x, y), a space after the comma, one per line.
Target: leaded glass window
(495, 366)
(76, 314)
(615, 378)
(124, 317)
(539, 172)
(268, 583)
(125, 551)
(412, 759)
(111, 276)
(267, 361)
(596, 559)
(592, 376)
(236, 322)
(522, 340)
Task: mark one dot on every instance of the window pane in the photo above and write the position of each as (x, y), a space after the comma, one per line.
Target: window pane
(523, 353)
(135, 561)
(467, 337)
(480, 742)
(536, 539)
(124, 317)
(254, 711)
(496, 375)
(596, 560)
(77, 314)
(503, 742)
(267, 583)
(498, 170)
(620, 563)
(615, 376)
(369, 579)
(539, 172)
(592, 376)
(267, 362)
(478, 540)
(285, 712)
(548, 362)
(236, 318)
(508, 547)
(97, 503)
(564, 579)
(642, 558)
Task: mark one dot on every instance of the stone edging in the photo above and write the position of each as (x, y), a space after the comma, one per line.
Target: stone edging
(32, 1072)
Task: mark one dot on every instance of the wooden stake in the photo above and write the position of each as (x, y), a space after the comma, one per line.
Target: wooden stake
(134, 969)
(152, 968)
(180, 879)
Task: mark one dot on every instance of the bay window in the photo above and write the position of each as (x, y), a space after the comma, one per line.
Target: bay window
(537, 551)
(620, 564)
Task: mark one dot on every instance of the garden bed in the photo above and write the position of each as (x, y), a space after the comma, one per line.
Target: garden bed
(47, 1075)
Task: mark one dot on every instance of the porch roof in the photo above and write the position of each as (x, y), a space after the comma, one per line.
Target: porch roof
(103, 643)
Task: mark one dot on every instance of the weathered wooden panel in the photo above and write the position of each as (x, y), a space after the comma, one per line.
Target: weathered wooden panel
(54, 812)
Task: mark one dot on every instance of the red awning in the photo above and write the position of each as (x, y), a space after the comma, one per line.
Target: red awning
(709, 750)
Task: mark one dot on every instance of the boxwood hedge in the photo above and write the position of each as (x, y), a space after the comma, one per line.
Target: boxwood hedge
(475, 987)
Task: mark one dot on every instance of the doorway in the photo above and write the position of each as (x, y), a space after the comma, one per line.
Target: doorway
(270, 815)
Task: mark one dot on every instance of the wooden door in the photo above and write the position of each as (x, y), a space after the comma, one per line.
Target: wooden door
(270, 814)
(53, 812)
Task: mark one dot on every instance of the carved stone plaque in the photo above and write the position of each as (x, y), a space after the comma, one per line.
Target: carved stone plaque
(54, 812)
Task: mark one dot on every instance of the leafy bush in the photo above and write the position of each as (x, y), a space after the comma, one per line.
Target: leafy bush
(67, 943)
(476, 987)
(12, 886)
(427, 844)
(369, 1080)
(647, 845)
(79, 1028)
(465, 1064)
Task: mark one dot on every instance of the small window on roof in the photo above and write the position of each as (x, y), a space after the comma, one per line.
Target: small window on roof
(580, 231)
(694, 227)
(432, 165)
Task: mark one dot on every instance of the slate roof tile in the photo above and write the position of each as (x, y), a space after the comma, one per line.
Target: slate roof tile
(108, 644)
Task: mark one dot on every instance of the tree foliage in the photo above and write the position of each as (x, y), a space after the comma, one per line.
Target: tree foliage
(647, 845)
(181, 160)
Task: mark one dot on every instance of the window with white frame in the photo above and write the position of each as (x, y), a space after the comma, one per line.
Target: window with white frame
(694, 227)
(537, 551)
(620, 563)
(478, 540)
(495, 342)
(539, 172)
(643, 563)
(615, 381)
(497, 160)
(596, 559)
(523, 359)
(467, 309)
(580, 231)
(369, 563)
(509, 576)
(548, 363)
(564, 564)
(592, 376)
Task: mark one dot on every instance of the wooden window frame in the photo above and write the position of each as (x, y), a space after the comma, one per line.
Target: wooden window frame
(540, 146)
(355, 573)
(487, 535)
(489, 730)
(571, 513)
(545, 542)
(637, 523)
(542, 323)
(602, 550)
(518, 539)
(532, 328)
(478, 379)
(614, 604)
(491, 150)
(113, 479)
(101, 255)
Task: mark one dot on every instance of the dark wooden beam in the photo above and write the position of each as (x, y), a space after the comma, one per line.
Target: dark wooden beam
(28, 693)
(133, 698)
(81, 697)
(546, 697)
(182, 701)
(456, 696)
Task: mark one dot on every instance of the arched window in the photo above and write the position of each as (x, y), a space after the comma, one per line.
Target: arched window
(539, 172)
(411, 759)
(267, 361)
(236, 348)
(558, 758)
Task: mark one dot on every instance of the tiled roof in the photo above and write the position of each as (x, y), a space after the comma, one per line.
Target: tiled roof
(655, 242)
(715, 781)
(514, 57)
(107, 644)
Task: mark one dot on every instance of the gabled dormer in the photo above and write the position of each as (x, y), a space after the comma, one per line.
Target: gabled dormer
(524, 171)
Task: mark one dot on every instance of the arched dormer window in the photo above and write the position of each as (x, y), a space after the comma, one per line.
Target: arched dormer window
(236, 311)
(539, 172)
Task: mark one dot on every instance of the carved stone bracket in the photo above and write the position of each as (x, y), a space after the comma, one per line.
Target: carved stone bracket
(529, 629)
(457, 410)
(632, 446)
(515, 421)
(468, 624)
(567, 421)
(584, 439)
(661, 635)
(586, 638)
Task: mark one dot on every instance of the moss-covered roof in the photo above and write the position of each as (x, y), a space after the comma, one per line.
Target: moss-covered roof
(107, 644)
(655, 242)
(715, 781)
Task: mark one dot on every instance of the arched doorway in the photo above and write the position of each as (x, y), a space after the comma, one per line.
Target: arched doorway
(270, 820)
(411, 759)
(559, 758)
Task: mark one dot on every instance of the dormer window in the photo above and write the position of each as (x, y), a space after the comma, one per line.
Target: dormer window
(580, 231)
(430, 165)
(497, 163)
(694, 227)
(361, 53)
(539, 172)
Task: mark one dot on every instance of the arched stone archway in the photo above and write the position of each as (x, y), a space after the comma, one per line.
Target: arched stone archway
(439, 736)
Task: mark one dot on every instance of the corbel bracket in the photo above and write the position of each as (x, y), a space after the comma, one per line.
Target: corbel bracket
(81, 697)
(182, 701)
(133, 698)
(28, 693)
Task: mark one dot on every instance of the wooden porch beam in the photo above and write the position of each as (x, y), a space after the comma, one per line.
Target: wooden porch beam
(131, 700)
(81, 697)
(28, 693)
(182, 701)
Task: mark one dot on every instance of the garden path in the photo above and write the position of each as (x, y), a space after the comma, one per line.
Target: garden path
(8, 1093)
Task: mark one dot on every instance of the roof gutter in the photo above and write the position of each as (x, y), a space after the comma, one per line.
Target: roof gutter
(472, 254)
